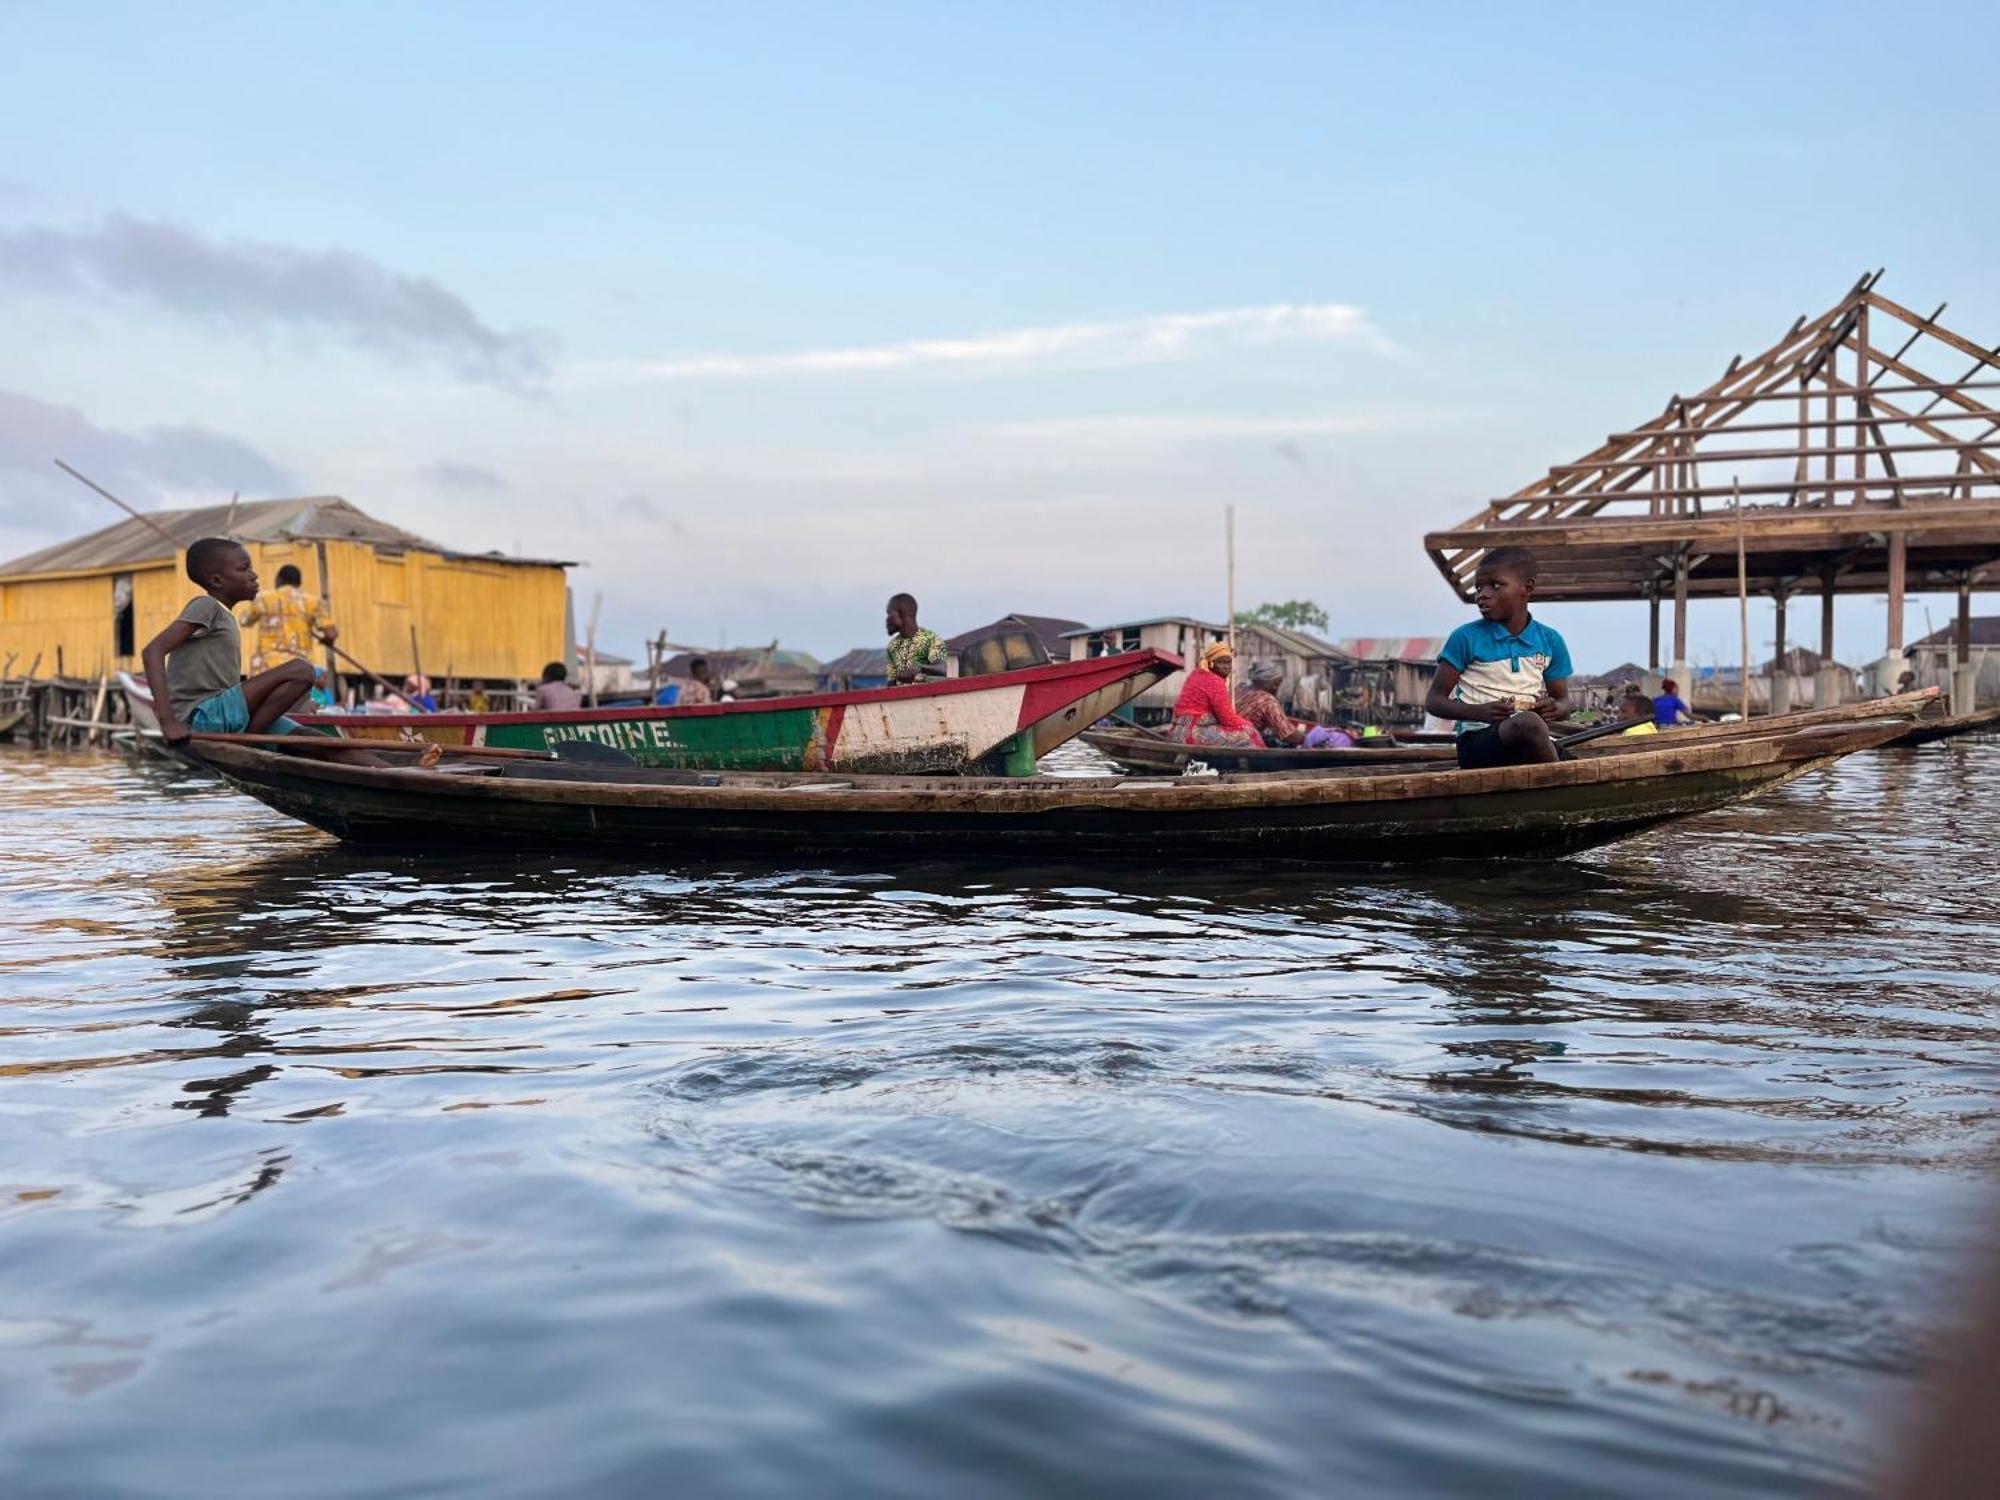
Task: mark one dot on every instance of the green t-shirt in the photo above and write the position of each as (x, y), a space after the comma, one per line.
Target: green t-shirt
(208, 662)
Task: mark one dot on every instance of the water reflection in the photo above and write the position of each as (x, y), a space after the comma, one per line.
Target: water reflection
(1055, 1163)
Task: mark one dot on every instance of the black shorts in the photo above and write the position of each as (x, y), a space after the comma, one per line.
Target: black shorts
(1480, 749)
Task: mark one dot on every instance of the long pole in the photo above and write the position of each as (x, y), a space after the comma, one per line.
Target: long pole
(165, 534)
(1743, 605)
(590, 647)
(1229, 533)
(372, 675)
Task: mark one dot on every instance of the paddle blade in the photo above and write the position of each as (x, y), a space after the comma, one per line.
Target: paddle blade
(590, 753)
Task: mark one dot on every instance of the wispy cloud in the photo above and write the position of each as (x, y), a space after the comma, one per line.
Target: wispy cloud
(33, 434)
(250, 285)
(1122, 430)
(1131, 341)
(466, 479)
(178, 462)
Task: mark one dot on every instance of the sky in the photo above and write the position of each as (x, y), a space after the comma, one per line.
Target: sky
(762, 312)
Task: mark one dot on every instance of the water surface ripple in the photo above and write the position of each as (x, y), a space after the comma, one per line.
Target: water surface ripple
(325, 1173)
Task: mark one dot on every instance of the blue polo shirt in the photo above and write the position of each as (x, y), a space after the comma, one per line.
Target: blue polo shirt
(1494, 664)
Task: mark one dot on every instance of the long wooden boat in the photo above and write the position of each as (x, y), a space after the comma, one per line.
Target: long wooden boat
(11, 715)
(952, 726)
(1948, 726)
(1144, 753)
(1510, 812)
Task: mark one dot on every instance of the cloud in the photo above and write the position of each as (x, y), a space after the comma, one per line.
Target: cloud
(1151, 430)
(1133, 341)
(466, 479)
(40, 504)
(33, 434)
(248, 285)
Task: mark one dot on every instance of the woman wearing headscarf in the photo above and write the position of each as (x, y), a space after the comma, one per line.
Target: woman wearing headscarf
(1203, 714)
(1258, 702)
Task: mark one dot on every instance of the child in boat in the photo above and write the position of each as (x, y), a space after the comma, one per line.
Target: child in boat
(1636, 709)
(195, 666)
(1503, 678)
(1668, 709)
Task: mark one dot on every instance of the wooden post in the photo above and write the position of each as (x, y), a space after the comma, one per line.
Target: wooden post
(1229, 535)
(1899, 549)
(1962, 635)
(1860, 406)
(326, 603)
(1653, 630)
(1780, 668)
(416, 659)
(1742, 609)
(1826, 621)
(1680, 609)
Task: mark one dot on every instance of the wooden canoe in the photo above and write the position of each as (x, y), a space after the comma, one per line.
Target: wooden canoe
(1512, 812)
(1947, 726)
(1143, 753)
(951, 726)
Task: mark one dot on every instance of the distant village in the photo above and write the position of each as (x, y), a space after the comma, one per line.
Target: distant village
(487, 624)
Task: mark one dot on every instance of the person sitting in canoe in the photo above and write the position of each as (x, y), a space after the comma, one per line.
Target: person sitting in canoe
(1636, 709)
(195, 666)
(1503, 678)
(1203, 714)
(1257, 701)
(553, 693)
(913, 652)
(1668, 707)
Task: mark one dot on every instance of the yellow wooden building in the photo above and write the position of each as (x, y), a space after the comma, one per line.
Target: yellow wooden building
(89, 606)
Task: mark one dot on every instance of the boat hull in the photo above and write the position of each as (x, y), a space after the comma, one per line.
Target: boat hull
(950, 727)
(1512, 812)
(1950, 726)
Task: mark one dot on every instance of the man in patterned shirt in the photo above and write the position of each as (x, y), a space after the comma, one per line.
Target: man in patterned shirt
(913, 652)
(287, 620)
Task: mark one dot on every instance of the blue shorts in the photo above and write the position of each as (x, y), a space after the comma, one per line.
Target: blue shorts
(228, 713)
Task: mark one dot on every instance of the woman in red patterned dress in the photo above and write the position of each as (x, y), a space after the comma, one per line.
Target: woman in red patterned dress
(1203, 714)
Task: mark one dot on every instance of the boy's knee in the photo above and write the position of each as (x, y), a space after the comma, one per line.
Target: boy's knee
(297, 670)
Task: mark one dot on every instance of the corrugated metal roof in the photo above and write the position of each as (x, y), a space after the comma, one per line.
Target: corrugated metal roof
(1140, 624)
(1047, 629)
(312, 518)
(1395, 647)
(1985, 632)
(1293, 642)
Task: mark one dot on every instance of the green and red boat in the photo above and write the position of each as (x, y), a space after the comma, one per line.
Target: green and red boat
(956, 726)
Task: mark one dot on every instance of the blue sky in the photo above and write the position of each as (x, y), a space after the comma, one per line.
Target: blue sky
(764, 312)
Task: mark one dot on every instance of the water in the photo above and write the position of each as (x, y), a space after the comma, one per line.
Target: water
(338, 1174)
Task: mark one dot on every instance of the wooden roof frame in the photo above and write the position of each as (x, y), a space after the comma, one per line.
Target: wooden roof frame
(1883, 459)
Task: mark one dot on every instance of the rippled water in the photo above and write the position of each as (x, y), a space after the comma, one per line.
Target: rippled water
(325, 1173)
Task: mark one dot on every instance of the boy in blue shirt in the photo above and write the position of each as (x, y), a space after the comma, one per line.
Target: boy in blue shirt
(1505, 676)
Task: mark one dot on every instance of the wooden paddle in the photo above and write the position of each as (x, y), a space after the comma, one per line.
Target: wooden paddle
(375, 677)
(1597, 732)
(329, 742)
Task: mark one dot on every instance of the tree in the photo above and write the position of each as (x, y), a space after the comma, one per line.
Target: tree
(1293, 614)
